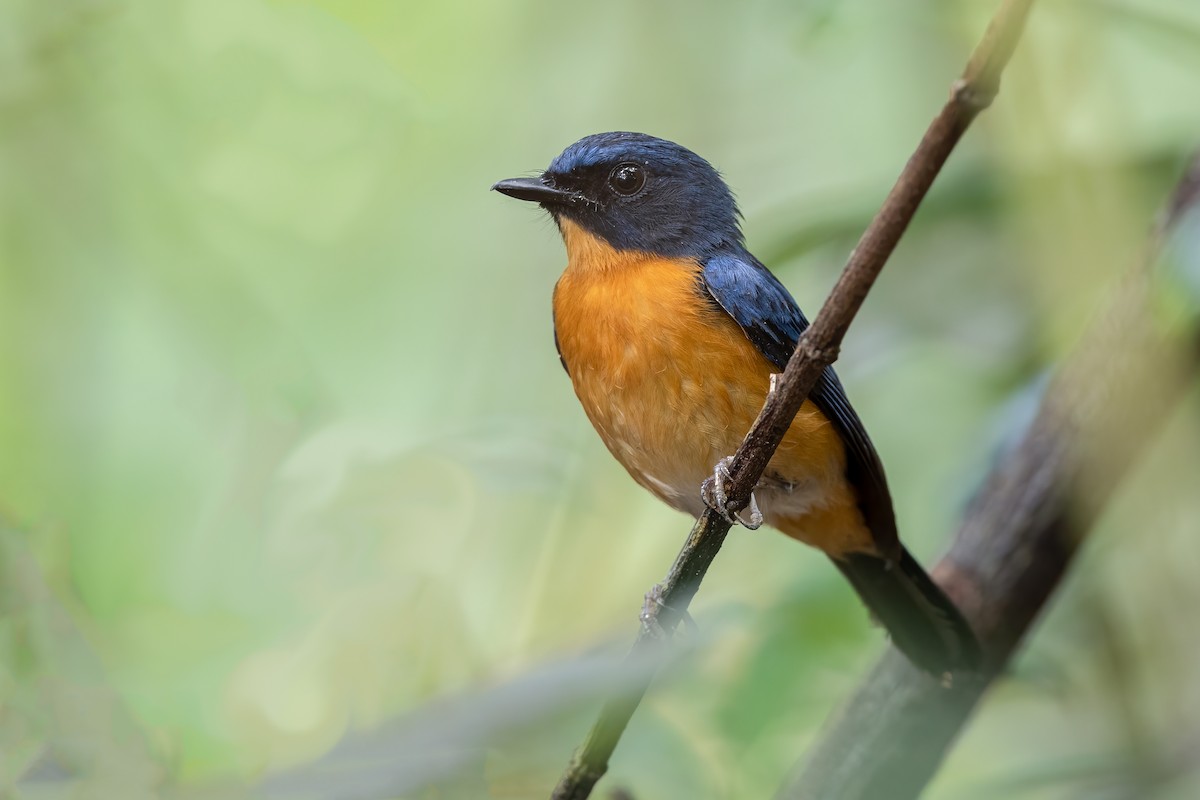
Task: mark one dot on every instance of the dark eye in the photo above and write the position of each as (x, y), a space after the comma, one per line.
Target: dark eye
(627, 179)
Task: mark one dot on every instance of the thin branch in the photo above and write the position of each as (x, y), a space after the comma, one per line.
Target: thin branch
(816, 350)
(1018, 538)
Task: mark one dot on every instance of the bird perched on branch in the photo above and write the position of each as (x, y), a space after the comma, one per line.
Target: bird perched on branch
(670, 330)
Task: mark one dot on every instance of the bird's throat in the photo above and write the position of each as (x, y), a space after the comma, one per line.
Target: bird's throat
(587, 252)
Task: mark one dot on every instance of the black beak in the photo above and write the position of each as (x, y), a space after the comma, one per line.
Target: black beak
(535, 190)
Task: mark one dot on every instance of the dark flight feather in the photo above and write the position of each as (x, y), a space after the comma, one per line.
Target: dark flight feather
(770, 318)
(923, 622)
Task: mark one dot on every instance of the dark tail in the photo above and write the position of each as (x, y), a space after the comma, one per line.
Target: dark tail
(924, 624)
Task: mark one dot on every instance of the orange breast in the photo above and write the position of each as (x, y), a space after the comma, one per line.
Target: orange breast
(672, 384)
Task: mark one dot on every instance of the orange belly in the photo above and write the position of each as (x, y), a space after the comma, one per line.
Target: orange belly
(672, 384)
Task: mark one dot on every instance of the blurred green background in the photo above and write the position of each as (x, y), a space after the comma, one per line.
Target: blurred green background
(295, 500)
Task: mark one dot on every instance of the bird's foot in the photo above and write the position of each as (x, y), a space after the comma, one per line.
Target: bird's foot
(712, 492)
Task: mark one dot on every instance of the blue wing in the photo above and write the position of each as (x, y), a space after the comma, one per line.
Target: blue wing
(747, 291)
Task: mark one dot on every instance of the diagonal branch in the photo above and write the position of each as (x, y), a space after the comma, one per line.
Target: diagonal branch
(816, 350)
(1018, 537)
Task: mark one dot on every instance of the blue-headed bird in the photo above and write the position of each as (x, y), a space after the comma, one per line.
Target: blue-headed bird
(670, 330)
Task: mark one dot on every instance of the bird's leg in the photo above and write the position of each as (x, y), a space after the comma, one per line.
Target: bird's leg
(712, 492)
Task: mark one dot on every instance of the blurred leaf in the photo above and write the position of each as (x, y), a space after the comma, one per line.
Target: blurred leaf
(59, 720)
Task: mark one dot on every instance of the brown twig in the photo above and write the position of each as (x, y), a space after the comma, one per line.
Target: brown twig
(816, 350)
(1017, 540)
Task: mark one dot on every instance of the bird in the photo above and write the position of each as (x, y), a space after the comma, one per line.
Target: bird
(670, 330)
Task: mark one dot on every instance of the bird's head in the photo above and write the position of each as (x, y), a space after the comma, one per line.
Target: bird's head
(636, 192)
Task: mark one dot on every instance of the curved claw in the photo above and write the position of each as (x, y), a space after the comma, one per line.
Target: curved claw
(756, 517)
(712, 492)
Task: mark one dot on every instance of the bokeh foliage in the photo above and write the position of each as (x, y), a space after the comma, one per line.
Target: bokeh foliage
(287, 458)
